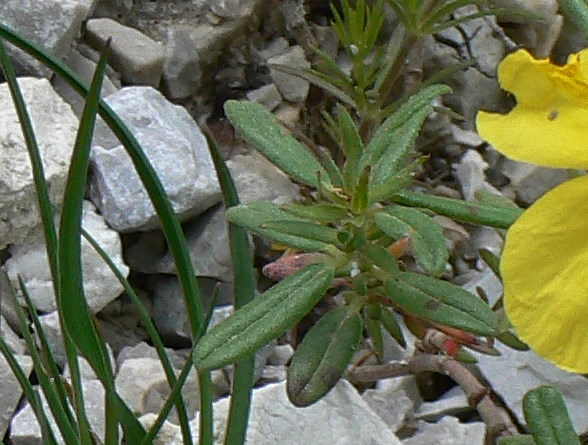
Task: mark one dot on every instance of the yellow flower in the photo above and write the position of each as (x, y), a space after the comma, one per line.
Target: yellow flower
(544, 264)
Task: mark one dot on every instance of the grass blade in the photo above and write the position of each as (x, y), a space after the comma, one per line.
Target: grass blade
(244, 292)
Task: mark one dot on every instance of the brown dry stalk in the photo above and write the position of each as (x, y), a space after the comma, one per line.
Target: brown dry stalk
(497, 421)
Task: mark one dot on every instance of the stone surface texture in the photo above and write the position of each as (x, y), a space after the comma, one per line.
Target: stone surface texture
(174, 145)
(138, 58)
(291, 87)
(52, 24)
(29, 261)
(55, 125)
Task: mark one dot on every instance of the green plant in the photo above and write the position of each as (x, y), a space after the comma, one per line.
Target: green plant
(359, 223)
(65, 398)
(547, 418)
(361, 220)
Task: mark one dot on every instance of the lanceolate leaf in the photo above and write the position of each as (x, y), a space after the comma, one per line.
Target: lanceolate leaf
(323, 355)
(261, 129)
(547, 417)
(304, 229)
(425, 235)
(393, 139)
(264, 319)
(257, 214)
(323, 212)
(472, 212)
(442, 302)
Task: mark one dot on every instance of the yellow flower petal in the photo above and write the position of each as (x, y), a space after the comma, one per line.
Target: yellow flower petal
(545, 272)
(549, 124)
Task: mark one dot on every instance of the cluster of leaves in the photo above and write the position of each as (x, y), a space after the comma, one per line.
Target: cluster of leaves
(359, 216)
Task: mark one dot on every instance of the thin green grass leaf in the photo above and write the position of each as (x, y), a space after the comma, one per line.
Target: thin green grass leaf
(169, 222)
(147, 323)
(244, 292)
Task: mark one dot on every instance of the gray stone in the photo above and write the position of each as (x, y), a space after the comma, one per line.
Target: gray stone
(540, 34)
(273, 374)
(176, 148)
(10, 389)
(280, 354)
(258, 179)
(342, 418)
(142, 384)
(475, 88)
(138, 58)
(394, 400)
(255, 179)
(486, 280)
(470, 174)
(513, 373)
(531, 181)
(25, 430)
(52, 331)
(292, 88)
(169, 434)
(13, 341)
(29, 261)
(181, 66)
(84, 68)
(227, 9)
(267, 95)
(453, 402)
(52, 24)
(208, 242)
(448, 431)
(212, 39)
(55, 127)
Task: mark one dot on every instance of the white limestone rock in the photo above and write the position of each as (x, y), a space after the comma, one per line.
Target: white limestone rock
(342, 417)
(255, 179)
(448, 431)
(267, 95)
(453, 402)
(52, 24)
(142, 384)
(394, 400)
(25, 430)
(10, 389)
(138, 58)
(292, 88)
(513, 373)
(55, 127)
(181, 66)
(84, 68)
(29, 261)
(177, 150)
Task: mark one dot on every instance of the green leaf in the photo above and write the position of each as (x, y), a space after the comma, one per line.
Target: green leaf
(393, 140)
(426, 236)
(303, 229)
(261, 129)
(380, 257)
(351, 145)
(391, 324)
(512, 341)
(491, 259)
(547, 417)
(255, 214)
(264, 319)
(471, 212)
(523, 439)
(373, 326)
(359, 200)
(322, 212)
(323, 355)
(576, 11)
(442, 302)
